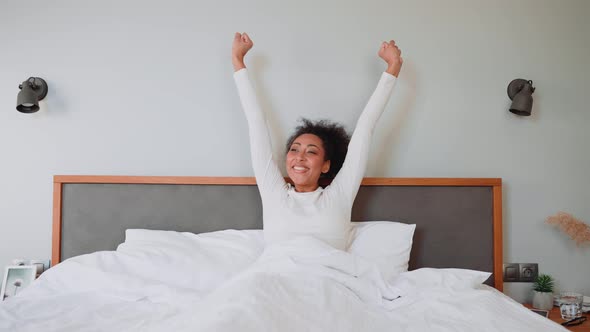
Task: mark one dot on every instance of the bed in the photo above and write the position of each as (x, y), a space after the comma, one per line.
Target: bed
(187, 253)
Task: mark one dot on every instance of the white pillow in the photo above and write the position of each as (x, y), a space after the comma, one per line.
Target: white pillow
(455, 279)
(385, 243)
(196, 261)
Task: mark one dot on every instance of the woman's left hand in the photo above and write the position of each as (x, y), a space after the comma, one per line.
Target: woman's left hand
(391, 54)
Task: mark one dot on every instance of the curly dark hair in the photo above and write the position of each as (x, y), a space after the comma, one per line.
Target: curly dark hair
(334, 138)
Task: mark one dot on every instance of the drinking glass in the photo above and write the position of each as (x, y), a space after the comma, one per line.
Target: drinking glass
(570, 305)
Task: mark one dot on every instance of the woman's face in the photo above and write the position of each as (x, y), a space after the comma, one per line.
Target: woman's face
(305, 162)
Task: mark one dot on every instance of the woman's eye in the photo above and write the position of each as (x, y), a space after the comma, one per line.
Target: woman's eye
(293, 150)
(312, 152)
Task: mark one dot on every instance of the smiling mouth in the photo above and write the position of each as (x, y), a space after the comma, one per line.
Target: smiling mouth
(300, 169)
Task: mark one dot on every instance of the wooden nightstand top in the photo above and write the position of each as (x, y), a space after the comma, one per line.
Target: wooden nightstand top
(555, 316)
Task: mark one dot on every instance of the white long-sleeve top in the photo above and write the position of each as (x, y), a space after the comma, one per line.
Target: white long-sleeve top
(324, 213)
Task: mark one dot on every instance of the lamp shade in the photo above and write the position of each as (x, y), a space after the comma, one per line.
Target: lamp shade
(32, 90)
(521, 91)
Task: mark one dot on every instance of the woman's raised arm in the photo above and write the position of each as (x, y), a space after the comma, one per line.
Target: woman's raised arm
(351, 174)
(268, 176)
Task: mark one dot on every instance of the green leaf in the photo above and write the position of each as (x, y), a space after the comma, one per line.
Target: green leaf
(543, 283)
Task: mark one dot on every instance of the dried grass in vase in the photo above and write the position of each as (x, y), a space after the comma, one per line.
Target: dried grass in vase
(573, 227)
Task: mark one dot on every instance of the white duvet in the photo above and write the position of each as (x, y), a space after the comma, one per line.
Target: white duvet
(232, 285)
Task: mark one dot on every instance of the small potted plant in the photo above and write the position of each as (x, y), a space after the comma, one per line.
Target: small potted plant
(543, 292)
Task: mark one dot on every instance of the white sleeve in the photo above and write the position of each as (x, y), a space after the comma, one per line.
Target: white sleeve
(351, 174)
(268, 175)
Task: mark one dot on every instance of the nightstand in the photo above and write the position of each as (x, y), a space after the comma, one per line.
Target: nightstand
(555, 316)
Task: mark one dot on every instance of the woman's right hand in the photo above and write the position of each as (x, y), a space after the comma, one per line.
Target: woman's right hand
(242, 44)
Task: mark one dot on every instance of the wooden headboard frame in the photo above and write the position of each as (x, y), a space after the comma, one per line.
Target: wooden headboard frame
(494, 183)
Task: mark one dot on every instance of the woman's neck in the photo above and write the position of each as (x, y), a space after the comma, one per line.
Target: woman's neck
(306, 189)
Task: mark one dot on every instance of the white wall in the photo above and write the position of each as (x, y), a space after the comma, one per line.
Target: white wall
(146, 89)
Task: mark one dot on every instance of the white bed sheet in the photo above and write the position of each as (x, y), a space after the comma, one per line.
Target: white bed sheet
(301, 285)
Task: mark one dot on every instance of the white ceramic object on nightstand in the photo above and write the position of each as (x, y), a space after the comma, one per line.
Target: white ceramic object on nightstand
(543, 301)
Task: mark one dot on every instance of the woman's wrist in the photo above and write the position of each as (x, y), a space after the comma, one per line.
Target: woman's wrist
(393, 69)
(238, 62)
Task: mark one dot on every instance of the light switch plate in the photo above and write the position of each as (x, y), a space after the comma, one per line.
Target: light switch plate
(520, 272)
(511, 272)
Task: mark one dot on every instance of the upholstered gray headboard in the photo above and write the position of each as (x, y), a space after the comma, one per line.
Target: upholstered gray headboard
(459, 221)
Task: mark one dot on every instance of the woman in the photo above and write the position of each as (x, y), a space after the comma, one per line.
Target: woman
(305, 208)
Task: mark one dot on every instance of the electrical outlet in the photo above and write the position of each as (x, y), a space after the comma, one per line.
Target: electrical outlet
(528, 272)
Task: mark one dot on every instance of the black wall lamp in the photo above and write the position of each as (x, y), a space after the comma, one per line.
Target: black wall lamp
(520, 92)
(32, 90)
